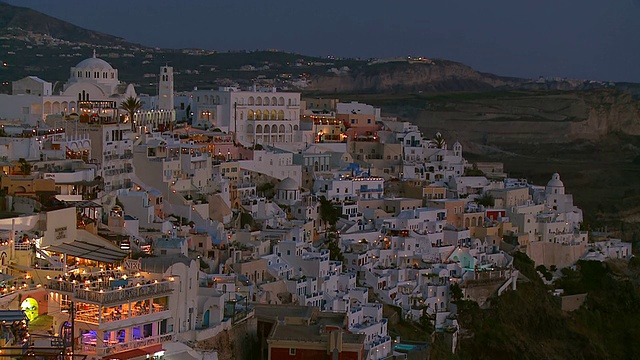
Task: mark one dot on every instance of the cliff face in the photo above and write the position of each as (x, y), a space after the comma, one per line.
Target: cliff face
(405, 77)
(531, 117)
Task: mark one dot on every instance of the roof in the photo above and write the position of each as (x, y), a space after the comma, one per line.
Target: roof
(160, 264)
(91, 247)
(555, 181)
(94, 63)
(168, 243)
(288, 184)
(135, 353)
(310, 333)
(12, 315)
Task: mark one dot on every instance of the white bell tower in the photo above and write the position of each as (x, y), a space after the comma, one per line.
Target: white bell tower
(165, 89)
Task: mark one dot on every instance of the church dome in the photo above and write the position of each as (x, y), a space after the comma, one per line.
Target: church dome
(94, 63)
(288, 184)
(555, 181)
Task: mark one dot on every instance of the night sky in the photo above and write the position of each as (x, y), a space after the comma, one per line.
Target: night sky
(583, 39)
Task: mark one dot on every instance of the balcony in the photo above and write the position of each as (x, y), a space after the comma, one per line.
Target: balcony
(135, 344)
(121, 295)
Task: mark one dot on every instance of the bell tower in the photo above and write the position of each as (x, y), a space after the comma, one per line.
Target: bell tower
(165, 88)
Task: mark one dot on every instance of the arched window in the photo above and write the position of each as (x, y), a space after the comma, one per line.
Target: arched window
(250, 128)
(274, 115)
(250, 101)
(258, 101)
(265, 101)
(274, 129)
(289, 102)
(274, 101)
(267, 129)
(259, 129)
(258, 115)
(295, 127)
(265, 115)
(280, 115)
(250, 115)
(281, 101)
(281, 129)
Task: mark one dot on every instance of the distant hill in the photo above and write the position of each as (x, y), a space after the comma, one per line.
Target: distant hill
(14, 19)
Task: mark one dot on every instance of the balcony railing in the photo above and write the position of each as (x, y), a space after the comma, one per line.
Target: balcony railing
(130, 293)
(135, 344)
(124, 294)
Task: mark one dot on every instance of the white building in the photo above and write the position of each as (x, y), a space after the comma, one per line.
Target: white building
(255, 117)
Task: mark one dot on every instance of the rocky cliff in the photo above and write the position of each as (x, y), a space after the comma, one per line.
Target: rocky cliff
(440, 75)
(523, 116)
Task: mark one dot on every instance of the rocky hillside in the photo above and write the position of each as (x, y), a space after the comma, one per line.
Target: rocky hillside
(519, 116)
(440, 75)
(436, 76)
(15, 20)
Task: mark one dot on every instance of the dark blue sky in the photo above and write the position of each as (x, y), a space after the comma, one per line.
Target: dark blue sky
(585, 39)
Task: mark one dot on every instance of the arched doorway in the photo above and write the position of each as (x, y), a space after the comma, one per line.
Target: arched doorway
(205, 319)
(30, 308)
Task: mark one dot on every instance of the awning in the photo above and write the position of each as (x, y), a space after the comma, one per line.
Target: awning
(91, 247)
(136, 353)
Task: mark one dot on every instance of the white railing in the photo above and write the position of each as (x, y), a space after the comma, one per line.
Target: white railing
(135, 344)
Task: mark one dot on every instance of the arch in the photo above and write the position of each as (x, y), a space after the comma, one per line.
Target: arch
(65, 333)
(250, 101)
(467, 222)
(274, 115)
(72, 106)
(265, 101)
(274, 101)
(259, 129)
(281, 101)
(30, 308)
(47, 107)
(258, 115)
(274, 129)
(474, 222)
(267, 129)
(55, 107)
(281, 129)
(20, 189)
(65, 106)
(250, 128)
(250, 115)
(265, 115)
(288, 102)
(206, 99)
(217, 99)
(258, 100)
(205, 319)
(295, 127)
(280, 115)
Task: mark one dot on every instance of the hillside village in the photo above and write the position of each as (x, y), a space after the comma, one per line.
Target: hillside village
(253, 222)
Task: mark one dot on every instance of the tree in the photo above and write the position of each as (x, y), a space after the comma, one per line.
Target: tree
(456, 292)
(438, 141)
(25, 167)
(131, 105)
(328, 213)
(486, 200)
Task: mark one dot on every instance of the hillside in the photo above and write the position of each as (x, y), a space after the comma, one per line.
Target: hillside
(529, 324)
(17, 20)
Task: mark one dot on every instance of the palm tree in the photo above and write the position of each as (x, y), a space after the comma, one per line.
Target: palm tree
(438, 141)
(131, 105)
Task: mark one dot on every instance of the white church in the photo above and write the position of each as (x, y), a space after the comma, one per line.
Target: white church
(91, 80)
